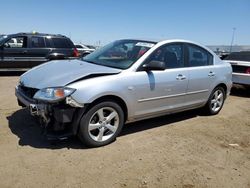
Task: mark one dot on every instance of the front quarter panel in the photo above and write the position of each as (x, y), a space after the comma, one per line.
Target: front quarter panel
(89, 90)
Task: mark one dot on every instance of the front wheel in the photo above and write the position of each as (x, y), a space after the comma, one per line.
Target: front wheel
(101, 124)
(215, 101)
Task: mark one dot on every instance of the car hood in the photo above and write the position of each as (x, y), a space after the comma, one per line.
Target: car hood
(62, 72)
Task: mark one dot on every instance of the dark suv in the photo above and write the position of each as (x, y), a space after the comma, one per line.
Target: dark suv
(22, 51)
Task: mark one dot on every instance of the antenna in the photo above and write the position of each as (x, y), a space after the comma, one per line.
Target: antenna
(232, 39)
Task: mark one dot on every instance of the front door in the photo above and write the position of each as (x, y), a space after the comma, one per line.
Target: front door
(14, 53)
(161, 91)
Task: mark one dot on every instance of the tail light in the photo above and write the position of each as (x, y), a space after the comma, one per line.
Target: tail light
(248, 70)
(76, 53)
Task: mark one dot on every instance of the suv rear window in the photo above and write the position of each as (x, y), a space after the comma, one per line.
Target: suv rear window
(61, 43)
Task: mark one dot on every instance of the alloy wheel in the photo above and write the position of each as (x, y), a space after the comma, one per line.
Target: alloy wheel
(103, 124)
(217, 101)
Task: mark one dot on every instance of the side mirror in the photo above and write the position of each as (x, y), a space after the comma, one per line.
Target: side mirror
(154, 65)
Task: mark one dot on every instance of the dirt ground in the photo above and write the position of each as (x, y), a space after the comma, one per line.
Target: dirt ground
(183, 150)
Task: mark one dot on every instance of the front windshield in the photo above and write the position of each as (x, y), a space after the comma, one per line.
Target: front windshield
(119, 54)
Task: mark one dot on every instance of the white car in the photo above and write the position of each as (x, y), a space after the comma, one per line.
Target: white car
(84, 49)
(240, 62)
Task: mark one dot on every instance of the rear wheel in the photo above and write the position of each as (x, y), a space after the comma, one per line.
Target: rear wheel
(84, 54)
(215, 101)
(101, 124)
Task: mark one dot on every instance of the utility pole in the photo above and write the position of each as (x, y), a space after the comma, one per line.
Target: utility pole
(232, 39)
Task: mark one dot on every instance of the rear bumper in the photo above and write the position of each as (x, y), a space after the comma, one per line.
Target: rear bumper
(241, 78)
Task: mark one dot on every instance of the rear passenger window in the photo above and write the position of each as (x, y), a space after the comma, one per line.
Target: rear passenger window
(61, 43)
(37, 42)
(198, 57)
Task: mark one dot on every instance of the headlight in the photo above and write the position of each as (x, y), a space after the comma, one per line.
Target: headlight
(53, 94)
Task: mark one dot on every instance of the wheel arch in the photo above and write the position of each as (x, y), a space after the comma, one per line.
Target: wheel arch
(224, 86)
(113, 98)
(81, 111)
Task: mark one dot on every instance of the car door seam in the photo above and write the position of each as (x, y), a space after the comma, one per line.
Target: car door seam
(171, 96)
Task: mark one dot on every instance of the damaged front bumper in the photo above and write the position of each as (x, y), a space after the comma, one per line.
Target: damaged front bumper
(60, 120)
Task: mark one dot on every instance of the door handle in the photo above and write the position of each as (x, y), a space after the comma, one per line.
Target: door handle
(211, 74)
(180, 77)
(24, 52)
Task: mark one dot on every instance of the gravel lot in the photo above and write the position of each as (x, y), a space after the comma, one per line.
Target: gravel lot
(183, 150)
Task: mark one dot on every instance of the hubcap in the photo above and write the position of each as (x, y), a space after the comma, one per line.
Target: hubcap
(217, 101)
(103, 124)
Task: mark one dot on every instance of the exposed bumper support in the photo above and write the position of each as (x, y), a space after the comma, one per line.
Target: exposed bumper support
(57, 119)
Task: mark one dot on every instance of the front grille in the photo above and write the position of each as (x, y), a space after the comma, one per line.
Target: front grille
(27, 91)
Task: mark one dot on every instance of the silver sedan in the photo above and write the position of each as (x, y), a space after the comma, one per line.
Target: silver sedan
(125, 81)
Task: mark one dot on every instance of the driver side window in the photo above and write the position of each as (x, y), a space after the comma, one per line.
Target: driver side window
(170, 54)
(16, 42)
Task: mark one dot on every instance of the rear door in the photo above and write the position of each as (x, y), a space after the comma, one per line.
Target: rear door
(38, 50)
(14, 53)
(202, 73)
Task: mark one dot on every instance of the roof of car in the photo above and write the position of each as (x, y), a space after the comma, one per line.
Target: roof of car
(37, 34)
(162, 40)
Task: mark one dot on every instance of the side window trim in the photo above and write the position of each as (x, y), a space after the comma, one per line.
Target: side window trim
(186, 55)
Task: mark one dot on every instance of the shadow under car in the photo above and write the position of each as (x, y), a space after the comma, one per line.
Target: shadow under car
(29, 132)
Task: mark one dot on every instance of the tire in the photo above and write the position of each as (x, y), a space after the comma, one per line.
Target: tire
(84, 54)
(101, 124)
(215, 101)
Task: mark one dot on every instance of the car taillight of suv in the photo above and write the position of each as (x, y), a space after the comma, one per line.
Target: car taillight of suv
(76, 53)
(248, 71)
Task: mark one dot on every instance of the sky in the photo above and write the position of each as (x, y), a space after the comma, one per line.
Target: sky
(209, 22)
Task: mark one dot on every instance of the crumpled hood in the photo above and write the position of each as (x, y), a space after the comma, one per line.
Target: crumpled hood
(62, 72)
